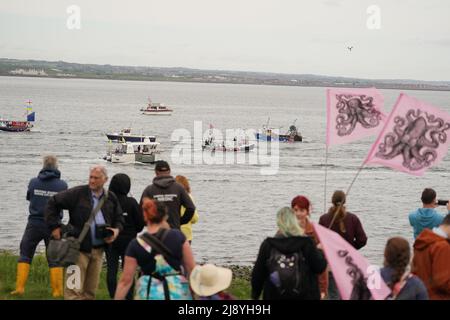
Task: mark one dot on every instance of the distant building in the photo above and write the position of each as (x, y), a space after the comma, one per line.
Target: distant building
(28, 72)
(66, 75)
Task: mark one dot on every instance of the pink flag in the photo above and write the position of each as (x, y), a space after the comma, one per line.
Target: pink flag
(353, 114)
(355, 278)
(413, 139)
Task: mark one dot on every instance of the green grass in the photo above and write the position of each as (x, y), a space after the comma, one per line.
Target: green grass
(240, 288)
(38, 284)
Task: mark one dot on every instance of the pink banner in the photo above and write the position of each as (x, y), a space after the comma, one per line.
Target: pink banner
(353, 114)
(414, 138)
(355, 278)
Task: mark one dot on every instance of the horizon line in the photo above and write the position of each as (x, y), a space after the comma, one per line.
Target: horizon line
(237, 71)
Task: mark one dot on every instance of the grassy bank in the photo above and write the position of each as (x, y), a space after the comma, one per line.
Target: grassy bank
(38, 285)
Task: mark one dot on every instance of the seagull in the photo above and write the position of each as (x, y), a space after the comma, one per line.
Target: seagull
(350, 48)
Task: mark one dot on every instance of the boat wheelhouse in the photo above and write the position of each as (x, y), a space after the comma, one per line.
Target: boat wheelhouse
(125, 135)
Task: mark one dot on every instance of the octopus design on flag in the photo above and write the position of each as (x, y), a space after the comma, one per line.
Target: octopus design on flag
(360, 290)
(354, 109)
(416, 137)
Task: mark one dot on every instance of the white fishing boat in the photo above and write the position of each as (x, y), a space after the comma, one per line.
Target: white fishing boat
(156, 109)
(210, 144)
(147, 152)
(131, 152)
(225, 148)
(123, 153)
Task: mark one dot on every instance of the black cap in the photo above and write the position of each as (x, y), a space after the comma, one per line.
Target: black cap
(162, 166)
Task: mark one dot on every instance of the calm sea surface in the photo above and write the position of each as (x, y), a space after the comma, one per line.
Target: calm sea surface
(236, 203)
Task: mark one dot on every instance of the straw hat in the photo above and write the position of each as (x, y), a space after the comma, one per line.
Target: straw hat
(208, 279)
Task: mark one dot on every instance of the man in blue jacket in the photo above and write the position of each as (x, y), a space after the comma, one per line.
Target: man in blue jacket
(427, 216)
(40, 189)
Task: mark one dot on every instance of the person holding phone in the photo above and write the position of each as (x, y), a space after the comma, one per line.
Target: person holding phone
(427, 217)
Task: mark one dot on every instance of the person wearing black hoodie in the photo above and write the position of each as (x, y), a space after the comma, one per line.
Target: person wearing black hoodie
(165, 189)
(40, 189)
(289, 241)
(134, 223)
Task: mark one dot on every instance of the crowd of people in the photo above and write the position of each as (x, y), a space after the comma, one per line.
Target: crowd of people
(151, 241)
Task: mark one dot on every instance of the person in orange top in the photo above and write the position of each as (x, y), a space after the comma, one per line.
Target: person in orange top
(302, 208)
(431, 262)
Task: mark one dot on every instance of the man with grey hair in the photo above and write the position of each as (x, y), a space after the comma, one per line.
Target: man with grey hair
(40, 189)
(81, 201)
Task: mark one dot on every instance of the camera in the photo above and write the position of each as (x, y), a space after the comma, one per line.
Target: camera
(442, 202)
(101, 231)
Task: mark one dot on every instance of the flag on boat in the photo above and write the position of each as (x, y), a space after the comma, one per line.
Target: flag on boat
(355, 277)
(31, 117)
(414, 138)
(29, 107)
(353, 114)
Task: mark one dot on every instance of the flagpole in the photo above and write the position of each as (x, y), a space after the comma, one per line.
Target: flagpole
(354, 179)
(346, 193)
(325, 187)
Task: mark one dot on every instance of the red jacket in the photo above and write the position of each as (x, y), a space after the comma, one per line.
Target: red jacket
(431, 263)
(323, 277)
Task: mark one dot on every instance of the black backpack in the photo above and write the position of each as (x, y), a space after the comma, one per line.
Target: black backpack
(287, 272)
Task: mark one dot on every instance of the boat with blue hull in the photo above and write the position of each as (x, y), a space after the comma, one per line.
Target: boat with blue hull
(269, 134)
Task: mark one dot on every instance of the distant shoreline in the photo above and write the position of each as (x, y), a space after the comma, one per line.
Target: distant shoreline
(70, 70)
(312, 85)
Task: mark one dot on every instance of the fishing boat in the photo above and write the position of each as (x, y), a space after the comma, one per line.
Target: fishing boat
(225, 148)
(156, 109)
(148, 153)
(124, 153)
(131, 152)
(15, 126)
(267, 134)
(19, 126)
(125, 136)
(210, 144)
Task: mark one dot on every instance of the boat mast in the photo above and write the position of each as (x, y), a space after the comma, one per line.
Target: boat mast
(29, 108)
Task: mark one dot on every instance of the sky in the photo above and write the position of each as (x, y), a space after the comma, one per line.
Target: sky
(285, 36)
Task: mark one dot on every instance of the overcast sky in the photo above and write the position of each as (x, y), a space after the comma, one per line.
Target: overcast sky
(288, 36)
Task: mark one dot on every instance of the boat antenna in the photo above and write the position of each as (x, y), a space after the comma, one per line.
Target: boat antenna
(267, 124)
